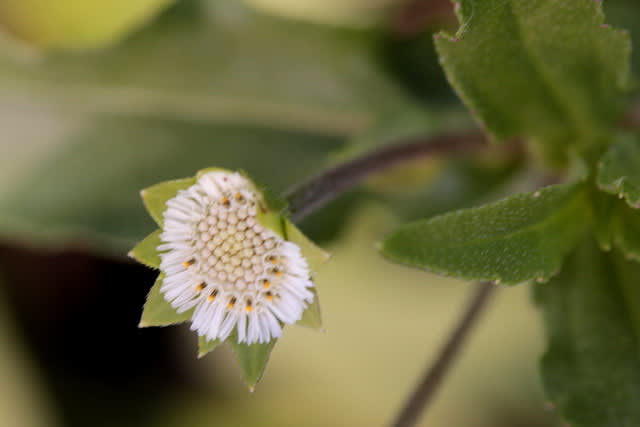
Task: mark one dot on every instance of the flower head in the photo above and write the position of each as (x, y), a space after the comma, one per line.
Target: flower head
(220, 260)
(229, 262)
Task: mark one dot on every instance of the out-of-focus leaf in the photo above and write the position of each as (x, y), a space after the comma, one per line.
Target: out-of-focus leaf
(157, 310)
(461, 183)
(414, 61)
(146, 252)
(252, 359)
(23, 399)
(592, 367)
(91, 183)
(221, 61)
(626, 231)
(617, 225)
(395, 127)
(548, 70)
(619, 170)
(432, 185)
(328, 222)
(206, 346)
(392, 129)
(355, 13)
(76, 24)
(604, 207)
(626, 14)
(520, 238)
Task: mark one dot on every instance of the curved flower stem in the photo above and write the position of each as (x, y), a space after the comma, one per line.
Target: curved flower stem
(321, 189)
(426, 389)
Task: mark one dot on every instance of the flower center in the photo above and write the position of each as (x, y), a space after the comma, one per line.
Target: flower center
(231, 248)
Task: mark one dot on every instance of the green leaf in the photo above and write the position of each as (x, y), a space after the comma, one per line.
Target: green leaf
(146, 252)
(626, 14)
(617, 225)
(520, 238)
(619, 170)
(252, 359)
(158, 312)
(155, 197)
(544, 69)
(591, 370)
(604, 207)
(89, 185)
(205, 346)
(626, 231)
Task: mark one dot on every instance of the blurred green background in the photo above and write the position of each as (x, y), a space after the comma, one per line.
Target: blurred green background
(99, 99)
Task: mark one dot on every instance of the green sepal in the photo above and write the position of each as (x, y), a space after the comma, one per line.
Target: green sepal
(521, 238)
(155, 197)
(205, 346)
(146, 252)
(619, 170)
(252, 358)
(312, 316)
(158, 312)
(272, 221)
(314, 255)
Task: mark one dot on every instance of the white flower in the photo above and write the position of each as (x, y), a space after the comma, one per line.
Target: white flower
(218, 259)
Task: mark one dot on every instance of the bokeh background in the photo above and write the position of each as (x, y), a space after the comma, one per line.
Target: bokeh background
(99, 99)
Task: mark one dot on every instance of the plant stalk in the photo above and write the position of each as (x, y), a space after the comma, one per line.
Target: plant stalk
(325, 187)
(425, 391)
(321, 189)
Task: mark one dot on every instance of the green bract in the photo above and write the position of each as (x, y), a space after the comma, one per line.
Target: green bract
(158, 311)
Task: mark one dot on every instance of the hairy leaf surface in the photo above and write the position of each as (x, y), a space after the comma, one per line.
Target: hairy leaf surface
(592, 366)
(545, 69)
(520, 238)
